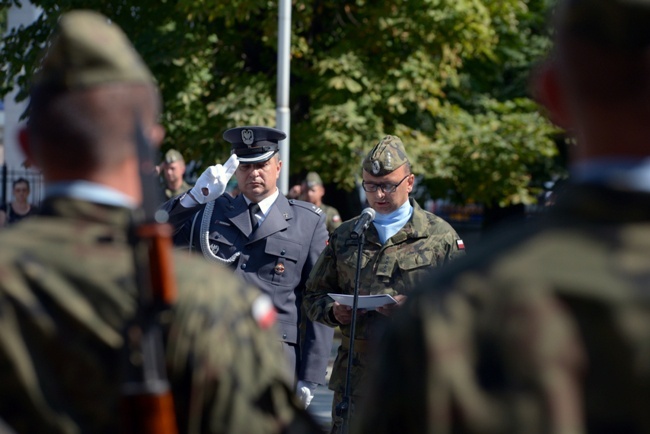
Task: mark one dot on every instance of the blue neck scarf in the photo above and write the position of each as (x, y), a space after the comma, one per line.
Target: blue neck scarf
(388, 225)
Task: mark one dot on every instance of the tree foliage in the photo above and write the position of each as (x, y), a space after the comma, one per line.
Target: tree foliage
(447, 76)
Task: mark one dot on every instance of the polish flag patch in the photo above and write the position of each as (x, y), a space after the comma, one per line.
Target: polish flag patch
(460, 244)
(264, 312)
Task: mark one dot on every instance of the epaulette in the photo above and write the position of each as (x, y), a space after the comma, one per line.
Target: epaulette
(306, 205)
(225, 200)
(227, 197)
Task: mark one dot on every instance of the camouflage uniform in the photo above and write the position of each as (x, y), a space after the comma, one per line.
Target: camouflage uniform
(546, 329)
(67, 291)
(394, 267)
(172, 156)
(543, 331)
(173, 193)
(333, 218)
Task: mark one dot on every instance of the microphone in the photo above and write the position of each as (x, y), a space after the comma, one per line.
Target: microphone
(366, 217)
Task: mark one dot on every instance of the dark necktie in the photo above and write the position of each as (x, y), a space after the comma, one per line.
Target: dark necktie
(253, 209)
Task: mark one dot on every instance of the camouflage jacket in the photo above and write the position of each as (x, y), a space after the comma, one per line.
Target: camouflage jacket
(333, 219)
(541, 330)
(169, 193)
(67, 289)
(393, 268)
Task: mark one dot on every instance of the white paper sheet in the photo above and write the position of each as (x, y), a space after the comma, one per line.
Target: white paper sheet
(369, 302)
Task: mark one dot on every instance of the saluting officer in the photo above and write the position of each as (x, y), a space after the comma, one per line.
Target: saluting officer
(269, 241)
(69, 288)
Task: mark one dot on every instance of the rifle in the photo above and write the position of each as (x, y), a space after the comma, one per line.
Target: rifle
(147, 405)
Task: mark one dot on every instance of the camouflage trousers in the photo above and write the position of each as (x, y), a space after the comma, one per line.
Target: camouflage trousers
(337, 421)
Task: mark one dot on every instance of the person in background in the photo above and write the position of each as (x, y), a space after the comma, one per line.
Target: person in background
(19, 207)
(69, 284)
(268, 240)
(546, 329)
(404, 243)
(295, 192)
(313, 191)
(173, 172)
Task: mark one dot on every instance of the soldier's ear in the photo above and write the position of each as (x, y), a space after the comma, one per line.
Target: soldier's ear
(547, 90)
(156, 135)
(410, 181)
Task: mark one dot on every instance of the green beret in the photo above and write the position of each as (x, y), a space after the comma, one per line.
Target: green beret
(385, 156)
(86, 49)
(623, 24)
(313, 179)
(173, 155)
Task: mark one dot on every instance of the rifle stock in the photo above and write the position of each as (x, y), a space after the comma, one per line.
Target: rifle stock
(149, 413)
(160, 260)
(147, 406)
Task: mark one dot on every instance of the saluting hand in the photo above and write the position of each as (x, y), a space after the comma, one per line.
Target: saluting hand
(213, 181)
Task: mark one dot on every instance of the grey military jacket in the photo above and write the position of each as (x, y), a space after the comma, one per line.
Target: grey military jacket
(277, 258)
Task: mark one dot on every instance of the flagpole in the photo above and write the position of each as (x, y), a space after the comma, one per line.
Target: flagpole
(283, 115)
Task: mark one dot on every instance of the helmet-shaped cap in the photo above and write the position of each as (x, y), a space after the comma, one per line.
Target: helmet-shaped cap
(385, 156)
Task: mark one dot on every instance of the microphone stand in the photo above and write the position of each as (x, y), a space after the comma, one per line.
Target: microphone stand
(343, 409)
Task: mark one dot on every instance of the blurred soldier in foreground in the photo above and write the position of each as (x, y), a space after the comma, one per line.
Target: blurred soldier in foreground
(547, 330)
(403, 244)
(173, 170)
(313, 192)
(67, 285)
(269, 241)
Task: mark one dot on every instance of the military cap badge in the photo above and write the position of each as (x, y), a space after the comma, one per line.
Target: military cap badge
(247, 137)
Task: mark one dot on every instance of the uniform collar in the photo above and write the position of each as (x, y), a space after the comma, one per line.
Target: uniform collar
(622, 173)
(90, 192)
(266, 203)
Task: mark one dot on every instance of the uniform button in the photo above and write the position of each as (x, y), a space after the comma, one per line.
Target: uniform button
(284, 335)
(242, 266)
(283, 252)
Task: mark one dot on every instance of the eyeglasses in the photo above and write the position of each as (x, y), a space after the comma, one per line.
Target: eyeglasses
(387, 187)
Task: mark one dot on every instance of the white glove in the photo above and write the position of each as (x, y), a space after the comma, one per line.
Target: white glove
(305, 391)
(212, 182)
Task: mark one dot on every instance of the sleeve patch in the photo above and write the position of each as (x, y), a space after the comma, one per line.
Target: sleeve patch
(264, 312)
